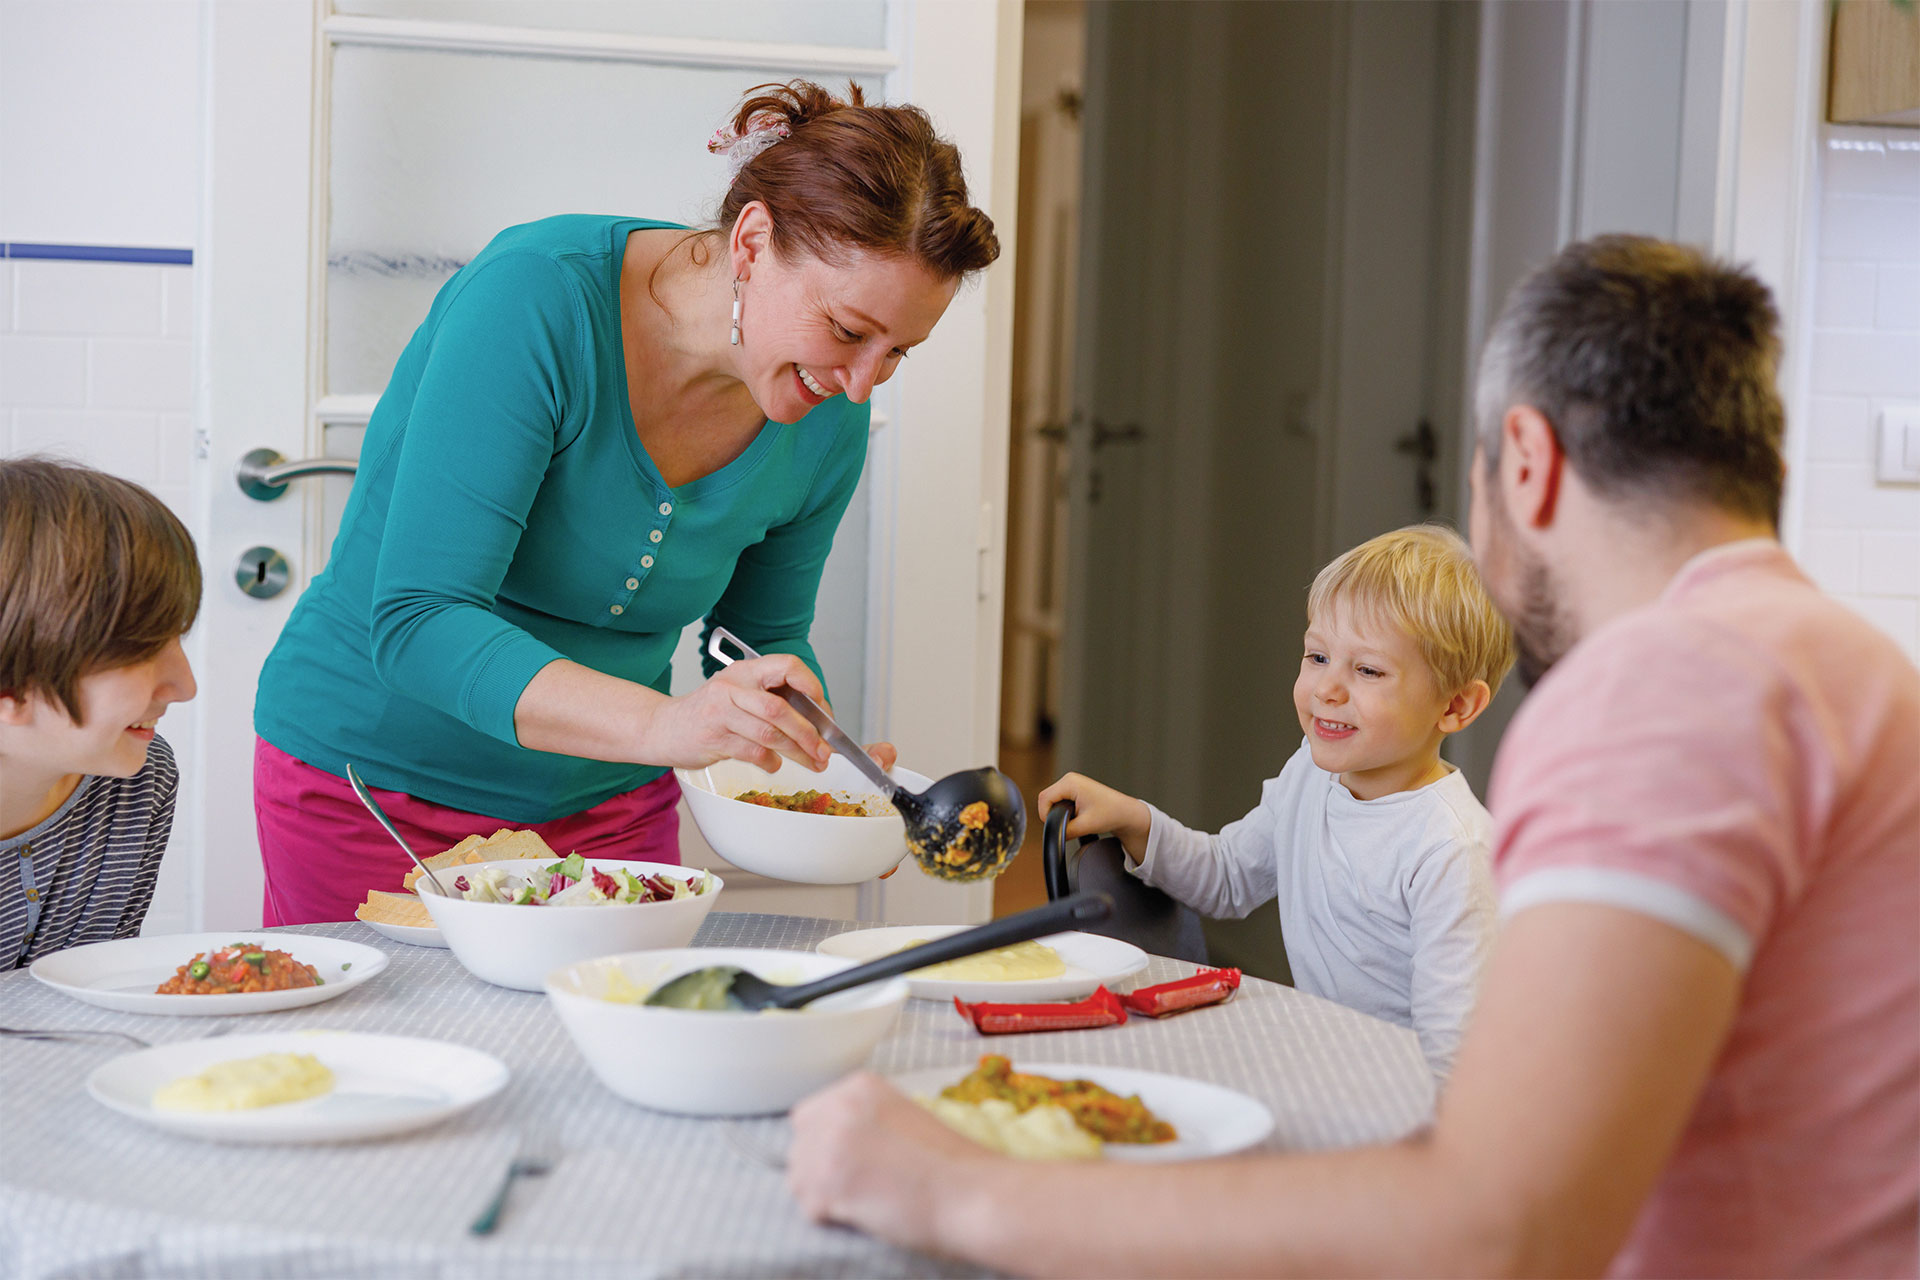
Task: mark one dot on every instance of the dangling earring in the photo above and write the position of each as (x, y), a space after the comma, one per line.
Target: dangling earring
(733, 338)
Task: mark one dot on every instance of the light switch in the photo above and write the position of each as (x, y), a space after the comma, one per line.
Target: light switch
(1899, 444)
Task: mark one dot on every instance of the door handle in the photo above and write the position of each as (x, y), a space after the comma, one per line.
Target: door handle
(264, 475)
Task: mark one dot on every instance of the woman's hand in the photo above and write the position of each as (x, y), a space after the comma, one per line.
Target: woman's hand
(866, 1156)
(736, 715)
(1098, 810)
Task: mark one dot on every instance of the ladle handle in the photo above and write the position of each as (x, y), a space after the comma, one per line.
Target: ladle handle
(380, 815)
(1055, 917)
(815, 715)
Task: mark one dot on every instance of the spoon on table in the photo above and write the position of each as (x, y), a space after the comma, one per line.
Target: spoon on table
(729, 987)
(373, 807)
(967, 826)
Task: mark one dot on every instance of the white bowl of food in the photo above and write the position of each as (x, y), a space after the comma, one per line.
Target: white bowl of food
(590, 907)
(710, 1063)
(787, 843)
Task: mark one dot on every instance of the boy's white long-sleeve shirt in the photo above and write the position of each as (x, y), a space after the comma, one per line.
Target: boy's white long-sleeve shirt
(1386, 906)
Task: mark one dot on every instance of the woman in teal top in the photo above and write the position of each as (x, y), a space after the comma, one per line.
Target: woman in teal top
(605, 429)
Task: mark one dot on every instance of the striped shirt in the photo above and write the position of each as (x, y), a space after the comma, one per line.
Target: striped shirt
(86, 874)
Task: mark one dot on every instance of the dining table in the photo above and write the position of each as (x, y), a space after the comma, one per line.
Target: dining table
(86, 1191)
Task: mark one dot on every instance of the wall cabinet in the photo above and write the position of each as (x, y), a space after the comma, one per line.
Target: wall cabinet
(1875, 72)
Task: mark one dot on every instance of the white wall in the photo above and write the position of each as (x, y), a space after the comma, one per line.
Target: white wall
(1858, 538)
(99, 148)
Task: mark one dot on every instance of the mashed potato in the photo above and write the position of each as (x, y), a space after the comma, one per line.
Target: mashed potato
(241, 1084)
(1022, 962)
(1045, 1132)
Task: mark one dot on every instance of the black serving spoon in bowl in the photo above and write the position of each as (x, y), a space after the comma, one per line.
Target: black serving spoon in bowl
(967, 826)
(728, 987)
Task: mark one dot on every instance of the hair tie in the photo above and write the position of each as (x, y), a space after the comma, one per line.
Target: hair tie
(738, 148)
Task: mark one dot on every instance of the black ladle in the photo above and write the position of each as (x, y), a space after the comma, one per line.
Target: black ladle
(729, 987)
(967, 826)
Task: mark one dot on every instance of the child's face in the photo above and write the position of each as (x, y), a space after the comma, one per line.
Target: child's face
(1368, 702)
(119, 706)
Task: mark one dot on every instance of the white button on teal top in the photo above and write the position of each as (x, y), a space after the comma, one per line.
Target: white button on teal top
(666, 508)
(617, 610)
(646, 562)
(655, 535)
(632, 583)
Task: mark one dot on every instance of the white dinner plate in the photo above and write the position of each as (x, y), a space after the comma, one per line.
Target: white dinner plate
(1091, 960)
(413, 934)
(382, 1085)
(1209, 1119)
(122, 974)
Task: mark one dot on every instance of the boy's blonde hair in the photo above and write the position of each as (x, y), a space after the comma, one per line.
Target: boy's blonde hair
(1422, 579)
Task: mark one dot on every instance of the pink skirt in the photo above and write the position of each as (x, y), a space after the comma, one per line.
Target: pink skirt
(322, 850)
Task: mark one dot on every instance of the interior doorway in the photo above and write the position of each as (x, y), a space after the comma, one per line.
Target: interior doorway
(1244, 236)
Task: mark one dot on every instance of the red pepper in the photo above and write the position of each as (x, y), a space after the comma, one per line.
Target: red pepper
(1101, 1009)
(1209, 986)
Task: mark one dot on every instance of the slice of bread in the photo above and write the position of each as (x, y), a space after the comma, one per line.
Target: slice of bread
(394, 908)
(501, 845)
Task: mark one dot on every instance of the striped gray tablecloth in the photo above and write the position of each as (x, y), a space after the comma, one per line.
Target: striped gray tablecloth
(86, 1192)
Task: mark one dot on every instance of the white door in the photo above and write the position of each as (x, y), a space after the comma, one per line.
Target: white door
(358, 152)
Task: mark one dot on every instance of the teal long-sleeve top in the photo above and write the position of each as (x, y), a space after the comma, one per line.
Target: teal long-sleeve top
(505, 515)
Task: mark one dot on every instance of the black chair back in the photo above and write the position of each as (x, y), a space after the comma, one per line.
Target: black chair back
(1142, 914)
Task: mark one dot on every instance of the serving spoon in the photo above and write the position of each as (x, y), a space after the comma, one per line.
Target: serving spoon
(373, 807)
(729, 987)
(967, 826)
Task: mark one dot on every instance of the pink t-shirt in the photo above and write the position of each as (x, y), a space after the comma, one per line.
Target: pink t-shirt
(1741, 759)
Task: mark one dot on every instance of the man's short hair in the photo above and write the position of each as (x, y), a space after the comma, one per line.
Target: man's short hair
(1656, 366)
(1422, 580)
(95, 573)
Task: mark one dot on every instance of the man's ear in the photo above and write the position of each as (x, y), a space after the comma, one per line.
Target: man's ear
(750, 238)
(1464, 707)
(1532, 464)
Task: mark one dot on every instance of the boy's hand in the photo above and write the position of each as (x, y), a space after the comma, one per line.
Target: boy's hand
(1100, 810)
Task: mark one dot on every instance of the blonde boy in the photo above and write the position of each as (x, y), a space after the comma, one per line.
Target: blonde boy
(1376, 848)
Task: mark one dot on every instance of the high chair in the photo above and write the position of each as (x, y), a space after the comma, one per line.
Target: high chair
(1142, 914)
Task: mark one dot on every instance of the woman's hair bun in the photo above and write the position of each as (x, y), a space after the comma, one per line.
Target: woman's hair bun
(849, 176)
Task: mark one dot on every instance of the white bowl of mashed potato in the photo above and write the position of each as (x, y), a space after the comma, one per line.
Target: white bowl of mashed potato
(517, 944)
(712, 1063)
(804, 848)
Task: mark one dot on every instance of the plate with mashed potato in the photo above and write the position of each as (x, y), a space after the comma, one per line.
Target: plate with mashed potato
(1060, 966)
(297, 1086)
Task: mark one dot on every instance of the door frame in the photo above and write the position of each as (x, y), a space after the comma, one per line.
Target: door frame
(938, 454)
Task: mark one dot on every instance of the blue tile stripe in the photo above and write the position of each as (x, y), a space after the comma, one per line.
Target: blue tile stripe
(95, 253)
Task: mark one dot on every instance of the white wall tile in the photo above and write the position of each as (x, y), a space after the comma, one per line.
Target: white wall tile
(126, 444)
(1844, 496)
(141, 373)
(1899, 298)
(1875, 228)
(1867, 363)
(6, 296)
(1840, 429)
(1898, 618)
(49, 372)
(1890, 564)
(1832, 559)
(176, 302)
(1885, 172)
(1843, 294)
(176, 449)
(86, 297)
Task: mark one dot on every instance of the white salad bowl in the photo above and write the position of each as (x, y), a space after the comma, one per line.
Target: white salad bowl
(711, 1063)
(517, 946)
(805, 848)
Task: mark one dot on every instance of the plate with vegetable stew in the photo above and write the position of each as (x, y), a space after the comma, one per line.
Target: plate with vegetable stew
(1207, 1119)
(210, 974)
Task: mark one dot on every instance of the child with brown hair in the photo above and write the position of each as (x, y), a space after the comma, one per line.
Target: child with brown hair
(98, 582)
(1378, 850)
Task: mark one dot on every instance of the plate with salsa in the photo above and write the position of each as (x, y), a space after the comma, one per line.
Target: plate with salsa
(1205, 1119)
(210, 974)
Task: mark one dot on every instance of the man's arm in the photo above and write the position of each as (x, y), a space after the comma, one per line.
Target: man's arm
(1594, 1035)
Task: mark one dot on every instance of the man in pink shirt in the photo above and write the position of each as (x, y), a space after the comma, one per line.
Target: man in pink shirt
(1697, 1047)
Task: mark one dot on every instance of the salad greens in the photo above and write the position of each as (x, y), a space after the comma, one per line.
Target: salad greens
(571, 883)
